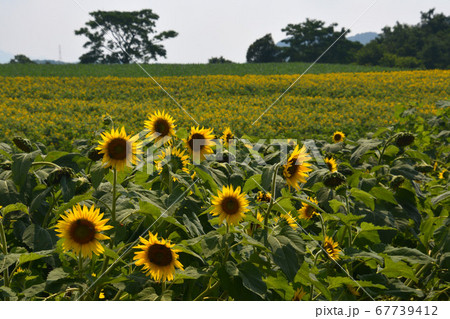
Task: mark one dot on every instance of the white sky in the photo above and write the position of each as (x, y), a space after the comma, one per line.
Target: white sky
(206, 27)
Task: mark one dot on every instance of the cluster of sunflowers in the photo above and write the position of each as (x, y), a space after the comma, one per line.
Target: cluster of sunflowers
(215, 223)
(81, 227)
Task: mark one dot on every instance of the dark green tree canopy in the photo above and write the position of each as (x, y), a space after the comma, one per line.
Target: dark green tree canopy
(21, 59)
(123, 37)
(308, 40)
(426, 44)
(263, 50)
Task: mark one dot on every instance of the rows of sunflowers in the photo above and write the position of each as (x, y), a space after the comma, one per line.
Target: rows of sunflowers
(58, 110)
(192, 214)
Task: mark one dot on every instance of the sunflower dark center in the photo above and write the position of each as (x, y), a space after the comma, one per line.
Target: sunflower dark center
(195, 136)
(309, 210)
(117, 149)
(82, 231)
(330, 166)
(292, 169)
(162, 127)
(337, 137)
(229, 137)
(230, 205)
(160, 255)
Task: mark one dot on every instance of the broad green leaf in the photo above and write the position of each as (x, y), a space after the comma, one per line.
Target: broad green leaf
(57, 274)
(15, 207)
(364, 197)
(335, 205)
(441, 198)
(252, 278)
(411, 255)
(397, 269)
(383, 194)
(205, 176)
(20, 167)
(24, 258)
(252, 183)
(336, 282)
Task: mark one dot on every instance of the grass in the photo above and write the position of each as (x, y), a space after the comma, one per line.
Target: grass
(71, 70)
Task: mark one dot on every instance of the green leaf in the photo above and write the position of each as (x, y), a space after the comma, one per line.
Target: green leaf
(383, 194)
(411, 255)
(37, 238)
(15, 207)
(98, 173)
(397, 269)
(336, 282)
(280, 285)
(335, 205)
(34, 290)
(441, 198)
(252, 183)
(24, 258)
(57, 274)
(252, 278)
(307, 277)
(205, 176)
(285, 257)
(363, 148)
(211, 244)
(267, 176)
(364, 197)
(20, 167)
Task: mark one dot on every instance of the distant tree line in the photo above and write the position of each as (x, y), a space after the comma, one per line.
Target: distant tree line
(425, 45)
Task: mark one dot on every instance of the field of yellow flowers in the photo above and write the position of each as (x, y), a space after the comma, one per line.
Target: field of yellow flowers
(185, 212)
(58, 110)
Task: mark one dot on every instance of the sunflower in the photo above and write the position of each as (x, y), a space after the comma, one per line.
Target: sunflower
(119, 149)
(331, 248)
(227, 135)
(263, 197)
(289, 220)
(331, 164)
(296, 169)
(307, 211)
(338, 137)
(299, 294)
(161, 126)
(80, 230)
(204, 138)
(157, 257)
(443, 174)
(177, 159)
(229, 205)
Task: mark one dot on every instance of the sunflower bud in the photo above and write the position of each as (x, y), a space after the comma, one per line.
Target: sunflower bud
(397, 181)
(334, 179)
(424, 168)
(107, 120)
(404, 139)
(82, 185)
(23, 144)
(263, 197)
(54, 178)
(94, 154)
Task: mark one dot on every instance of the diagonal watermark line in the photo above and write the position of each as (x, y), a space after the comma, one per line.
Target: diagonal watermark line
(144, 234)
(317, 243)
(137, 63)
(351, 25)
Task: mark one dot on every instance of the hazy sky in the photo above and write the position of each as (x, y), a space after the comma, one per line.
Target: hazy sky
(206, 27)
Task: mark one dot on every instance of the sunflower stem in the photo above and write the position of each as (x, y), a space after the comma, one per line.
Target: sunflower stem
(80, 265)
(384, 148)
(114, 199)
(206, 291)
(45, 163)
(5, 252)
(312, 285)
(323, 226)
(272, 198)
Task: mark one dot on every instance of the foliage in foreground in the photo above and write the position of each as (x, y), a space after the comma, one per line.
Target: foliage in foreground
(381, 217)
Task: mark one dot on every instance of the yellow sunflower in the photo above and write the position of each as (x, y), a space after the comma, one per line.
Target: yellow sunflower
(299, 294)
(331, 248)
(204, 140)
(229, 205)
(307, 211)
(288, 219)
(331, 164)
(442, 174)
(157, 257)
(119, 149)
(338, 137)
(263, 197)
(227, 135)
(177, 159)
(80, 230)
(161, 126)
(296, 170)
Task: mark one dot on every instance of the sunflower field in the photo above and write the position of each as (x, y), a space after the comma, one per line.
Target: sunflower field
(56, 111)
(181, 212)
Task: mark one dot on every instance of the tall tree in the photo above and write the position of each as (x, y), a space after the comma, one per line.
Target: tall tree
(308, 40)
(263, 50)
(123, 37)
